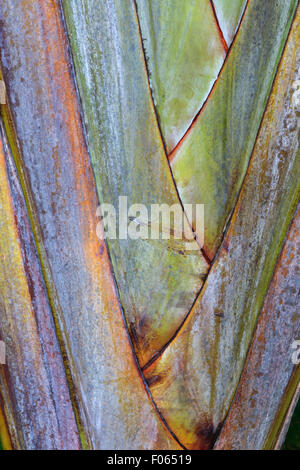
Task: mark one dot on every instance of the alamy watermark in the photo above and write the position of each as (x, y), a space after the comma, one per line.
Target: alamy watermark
(296, 353)
(155, 222)
(296, 93)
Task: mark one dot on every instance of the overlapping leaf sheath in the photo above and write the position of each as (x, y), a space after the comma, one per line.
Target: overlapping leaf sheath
(194, 381)
(228, 13)
(112, 405)
(270, 377)
(33, 383)
(210, 163)
(184, 54)
(157, 279)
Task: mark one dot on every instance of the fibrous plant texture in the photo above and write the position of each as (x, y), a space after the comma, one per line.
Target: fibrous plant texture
(135, 342)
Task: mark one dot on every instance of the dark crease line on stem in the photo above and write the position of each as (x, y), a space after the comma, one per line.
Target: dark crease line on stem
(222, 38)
(194, 121)
(160, 131)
